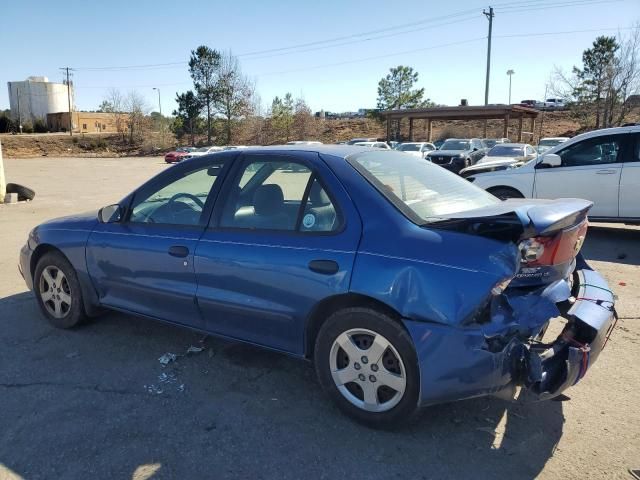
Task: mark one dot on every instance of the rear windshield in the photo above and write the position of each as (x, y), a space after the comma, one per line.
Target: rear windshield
(455, 145)
(424, 192)
(502, 151)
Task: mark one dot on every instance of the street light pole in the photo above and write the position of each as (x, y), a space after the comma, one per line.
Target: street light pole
(161, 119)
(510, 72)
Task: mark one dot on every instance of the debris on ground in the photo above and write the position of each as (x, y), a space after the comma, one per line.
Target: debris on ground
(167, 358)
(193, 349)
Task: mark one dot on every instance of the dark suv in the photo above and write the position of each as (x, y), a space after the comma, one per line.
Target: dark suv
(458, 153)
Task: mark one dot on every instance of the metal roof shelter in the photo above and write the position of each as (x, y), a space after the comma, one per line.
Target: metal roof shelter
(484, 112)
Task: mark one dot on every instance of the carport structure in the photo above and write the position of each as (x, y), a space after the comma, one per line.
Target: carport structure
(485, 112)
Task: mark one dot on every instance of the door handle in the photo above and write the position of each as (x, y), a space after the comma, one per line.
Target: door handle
(178, 251)
(605, 172)
(326, 267)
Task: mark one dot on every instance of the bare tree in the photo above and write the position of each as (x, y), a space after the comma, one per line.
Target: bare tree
(114, 104)
(137, 108)
(599, 93)
(233, 93)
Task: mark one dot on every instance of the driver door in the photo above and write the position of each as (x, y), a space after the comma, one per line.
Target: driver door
(144, 264)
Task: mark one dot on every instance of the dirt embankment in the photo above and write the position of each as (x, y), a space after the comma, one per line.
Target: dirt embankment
(550, 124)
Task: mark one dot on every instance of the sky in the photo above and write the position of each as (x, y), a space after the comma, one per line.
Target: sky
(342, 47)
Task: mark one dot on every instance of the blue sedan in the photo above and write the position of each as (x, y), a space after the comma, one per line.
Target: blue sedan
(404, 284)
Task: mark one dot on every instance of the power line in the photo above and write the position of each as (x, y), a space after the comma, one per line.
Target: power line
(509, 7)
(366, 59)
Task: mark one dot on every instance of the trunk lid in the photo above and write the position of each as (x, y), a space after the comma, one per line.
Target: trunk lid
(549, 233)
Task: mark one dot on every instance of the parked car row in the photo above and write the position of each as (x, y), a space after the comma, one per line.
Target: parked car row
(184, 153)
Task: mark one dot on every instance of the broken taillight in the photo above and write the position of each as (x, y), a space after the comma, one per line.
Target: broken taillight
(553, 250)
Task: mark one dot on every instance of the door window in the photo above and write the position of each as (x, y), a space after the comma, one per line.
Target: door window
(277, 194)
(180, 201)
(594, 151)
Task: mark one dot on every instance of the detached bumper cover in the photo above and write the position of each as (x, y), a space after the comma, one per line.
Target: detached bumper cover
(24, 265)
(470, 361)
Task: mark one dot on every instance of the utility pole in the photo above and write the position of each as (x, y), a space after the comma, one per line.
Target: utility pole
(19, 114)
(161, 119)
(489, 16)
(510, 73)
(66, 69)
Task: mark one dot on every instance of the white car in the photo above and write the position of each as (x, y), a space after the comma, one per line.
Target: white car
(501, 157)
(373, 145)
(304, 142)
(234, 147)
(602, 166)
(546, 143)
(198, 152)
(554, 104)
(417, 149)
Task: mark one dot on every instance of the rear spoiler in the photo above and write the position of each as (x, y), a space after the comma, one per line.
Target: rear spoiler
(514, 219)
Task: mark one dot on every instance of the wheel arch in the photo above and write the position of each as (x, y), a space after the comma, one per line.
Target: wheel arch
(504, 187)
(328, 306)
(39, 252)
(89, 296)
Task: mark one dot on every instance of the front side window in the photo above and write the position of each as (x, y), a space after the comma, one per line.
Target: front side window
(422, 191)
(594, 151)
(278, 194)
(179, 202)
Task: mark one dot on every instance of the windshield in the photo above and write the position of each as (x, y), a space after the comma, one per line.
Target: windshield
(503, 151)
(409, 147)
(422, 191)
(455, 145)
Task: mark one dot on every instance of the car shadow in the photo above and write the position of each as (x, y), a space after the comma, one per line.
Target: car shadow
(97, 399)
(615, 244)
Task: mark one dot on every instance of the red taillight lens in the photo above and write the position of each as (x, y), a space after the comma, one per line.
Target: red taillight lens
(561, 248)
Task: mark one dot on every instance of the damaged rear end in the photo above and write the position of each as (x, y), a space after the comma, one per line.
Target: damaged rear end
(552, 290)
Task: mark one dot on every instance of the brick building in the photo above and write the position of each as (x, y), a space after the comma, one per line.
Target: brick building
(88, 122)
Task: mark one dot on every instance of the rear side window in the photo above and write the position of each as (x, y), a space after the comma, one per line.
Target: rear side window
(278, 194)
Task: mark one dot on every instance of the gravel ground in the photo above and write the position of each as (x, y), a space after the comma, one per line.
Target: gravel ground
(96, 403)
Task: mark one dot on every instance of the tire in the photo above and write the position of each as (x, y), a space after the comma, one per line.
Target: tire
(397, 364)
(59, 297)
(505, 192)
(23, 192)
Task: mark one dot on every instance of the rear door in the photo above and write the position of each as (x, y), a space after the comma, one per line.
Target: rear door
(283, 237)
(630, 181)
(590, 169)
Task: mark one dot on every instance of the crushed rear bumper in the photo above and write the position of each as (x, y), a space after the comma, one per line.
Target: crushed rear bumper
(506, 351)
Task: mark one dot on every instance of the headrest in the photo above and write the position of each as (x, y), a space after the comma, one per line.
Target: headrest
(268, 199)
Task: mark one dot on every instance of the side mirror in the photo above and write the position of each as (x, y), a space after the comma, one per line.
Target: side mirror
(110, 214)
(551, 160)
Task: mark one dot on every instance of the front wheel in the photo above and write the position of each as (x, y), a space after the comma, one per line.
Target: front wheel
(367, 363)
(58, 291)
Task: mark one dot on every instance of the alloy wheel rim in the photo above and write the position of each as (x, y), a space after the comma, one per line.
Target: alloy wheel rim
(367, 370)
(55, 292)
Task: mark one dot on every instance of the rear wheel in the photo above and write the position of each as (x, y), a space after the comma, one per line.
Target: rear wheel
(505, 192)
(58, 291)
(367, 363)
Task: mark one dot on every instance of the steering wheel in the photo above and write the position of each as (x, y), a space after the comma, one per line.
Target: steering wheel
(195, 199)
